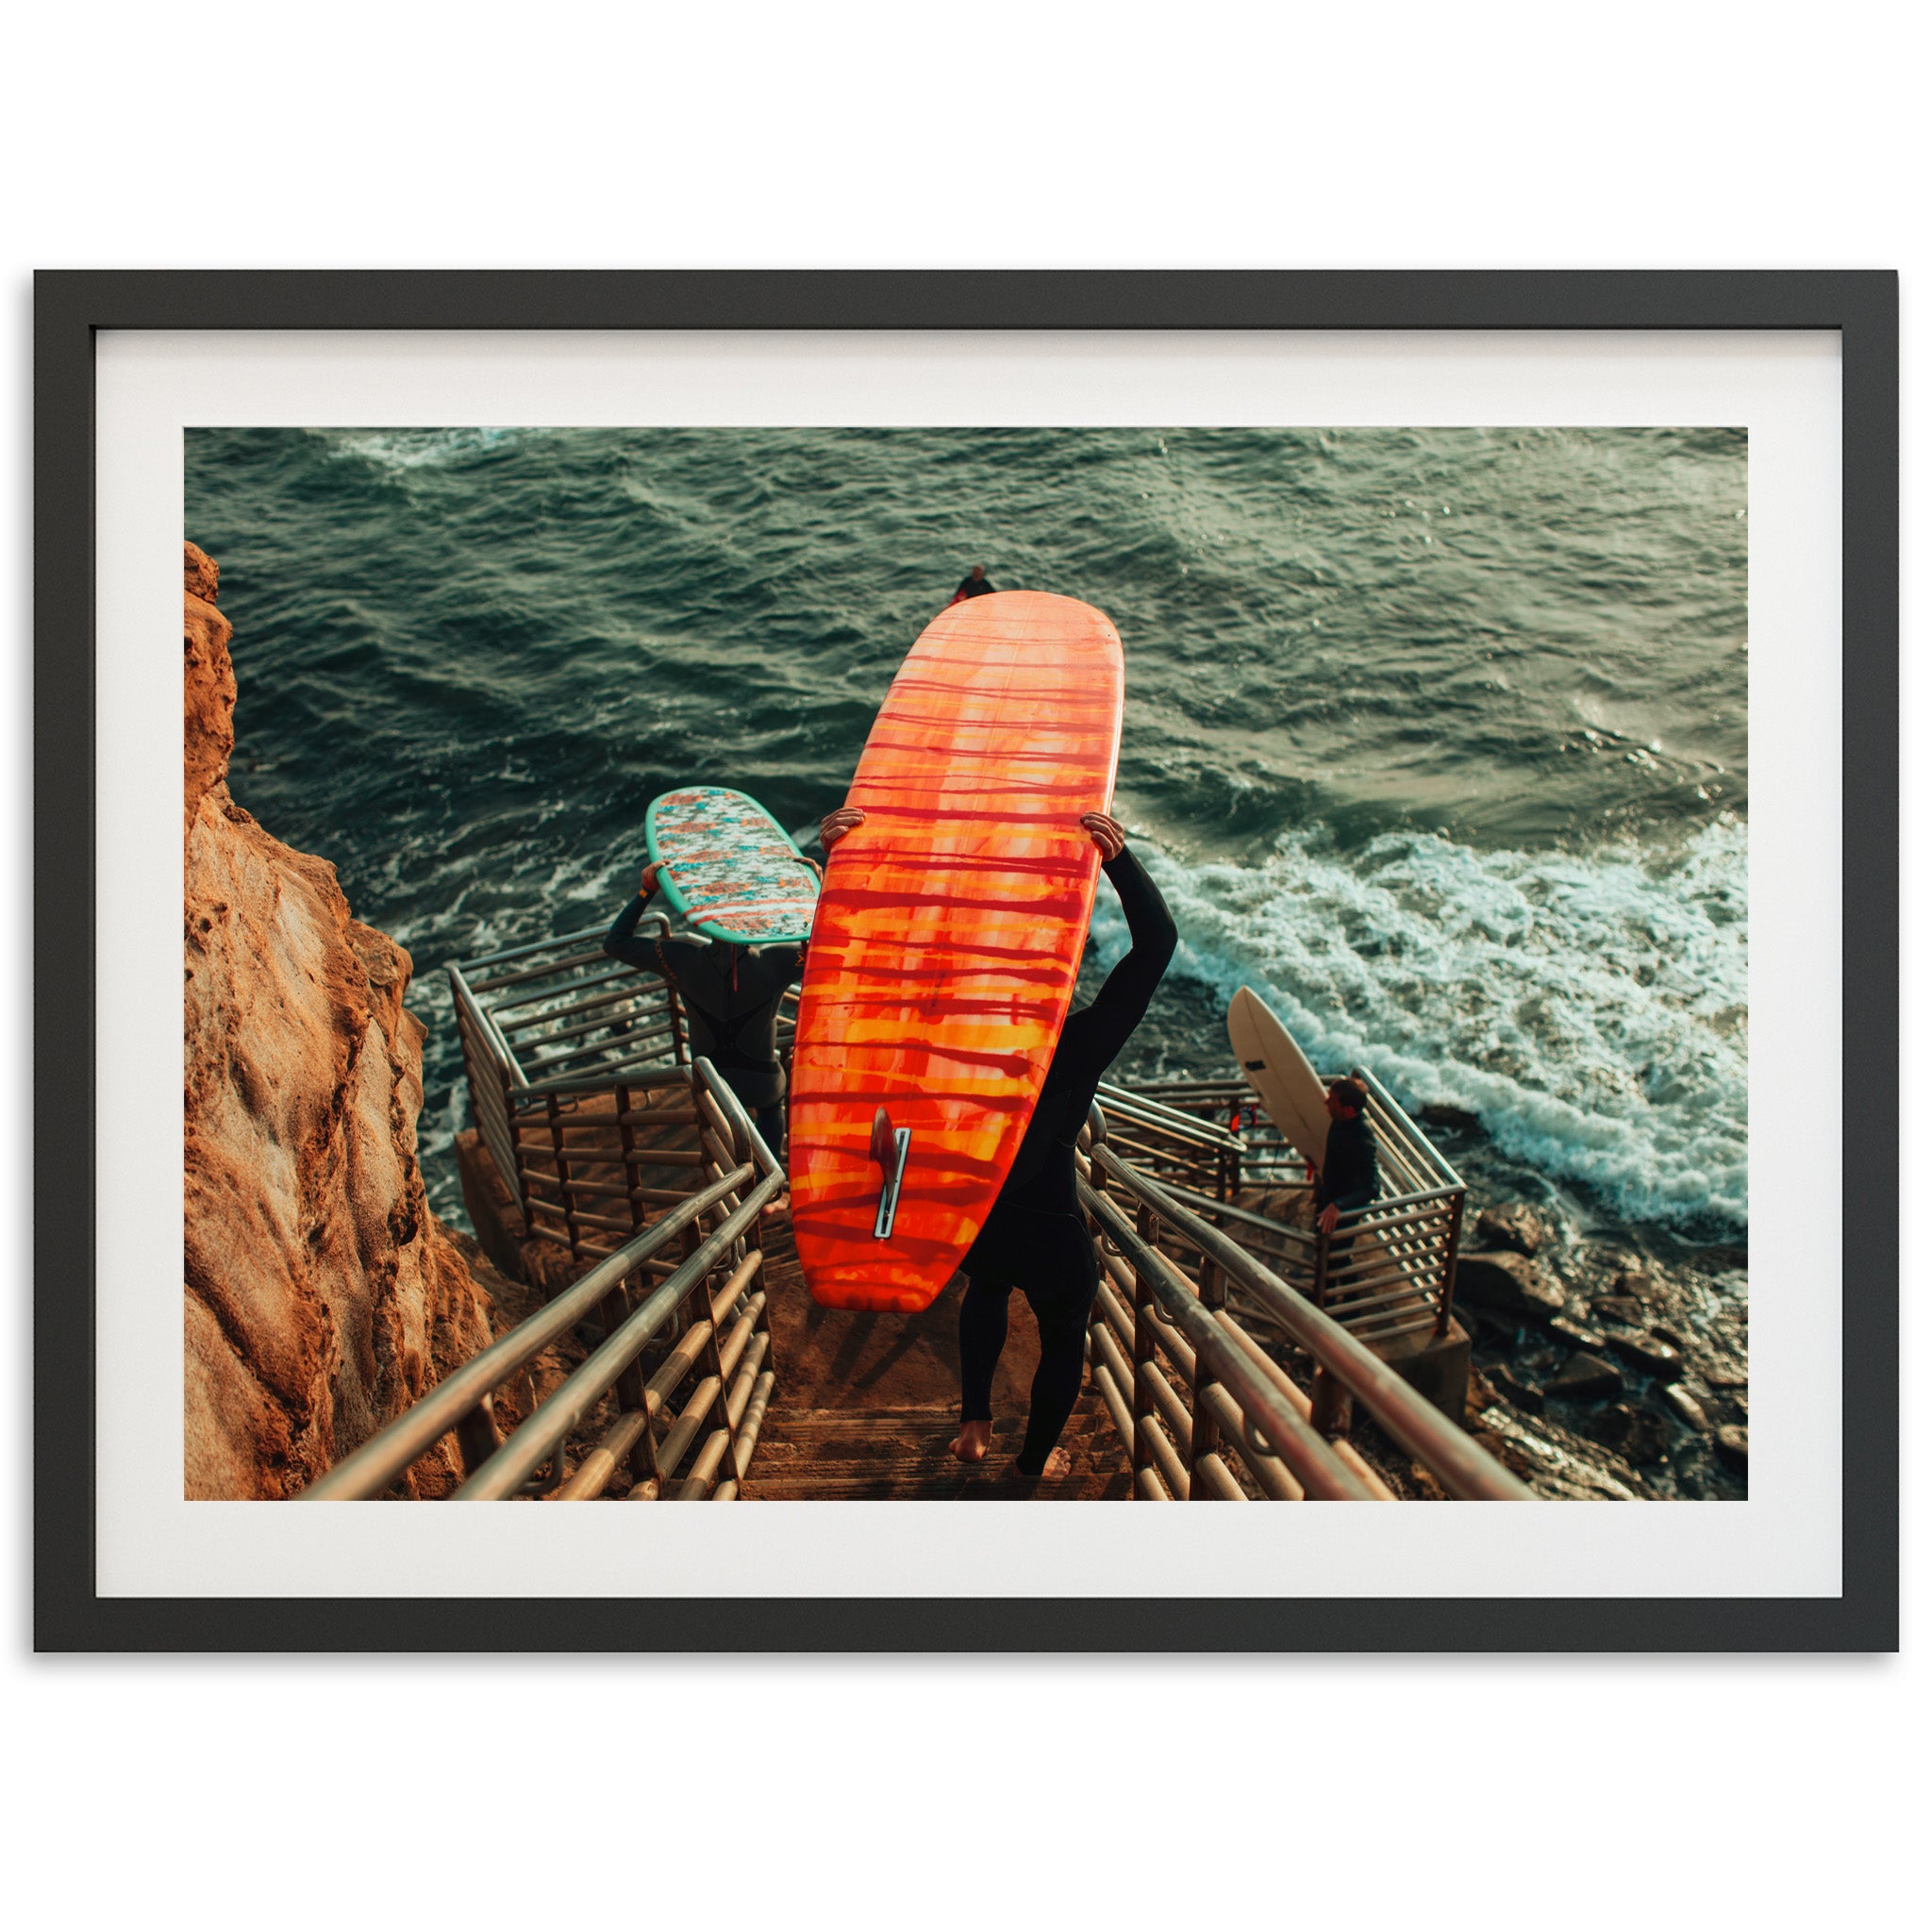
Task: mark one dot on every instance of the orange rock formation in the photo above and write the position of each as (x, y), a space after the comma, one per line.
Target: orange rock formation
(321, 1296)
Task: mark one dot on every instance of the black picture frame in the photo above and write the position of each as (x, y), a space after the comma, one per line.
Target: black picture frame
(71, 307)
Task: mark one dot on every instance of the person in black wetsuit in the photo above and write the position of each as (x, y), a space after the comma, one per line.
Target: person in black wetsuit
(730, 997)
(974, 585)
(1348, 1176)
(1034, 1238)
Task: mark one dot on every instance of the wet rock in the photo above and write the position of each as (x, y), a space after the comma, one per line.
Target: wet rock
(1612, 1425)
(1487, 1330)
(1509, 1283)
(1645, 1351)
(1675, 1337)
(1556, 1463)
(1515, 1227)
(1585, 1377)
(1734, 1447)
(1649, 1440)
(1687, 1408)
(1438, 1115)
(1635, 1285)
(1724, 1372)
(1517, 1392)
(1621, 1308)
(1577, 1334)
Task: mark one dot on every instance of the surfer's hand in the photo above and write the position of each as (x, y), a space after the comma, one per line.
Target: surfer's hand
(647, 880)
(1109, 834)
(1327, 1218)
(835, 825)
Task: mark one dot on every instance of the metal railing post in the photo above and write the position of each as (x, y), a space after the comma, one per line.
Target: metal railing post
(1139, 1396)
(1333, 1411)
(643, 1460)
(553, 1114)
(626, 1147)
(1205, 1438)
(1448, 1293)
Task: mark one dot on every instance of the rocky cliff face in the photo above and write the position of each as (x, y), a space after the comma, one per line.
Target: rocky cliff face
(321, 1295)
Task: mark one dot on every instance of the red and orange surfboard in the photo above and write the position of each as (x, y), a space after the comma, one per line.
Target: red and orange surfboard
(947, 940)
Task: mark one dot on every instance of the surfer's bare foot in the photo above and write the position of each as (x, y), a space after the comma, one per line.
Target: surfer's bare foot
(1059, 1466)
(972, 1442)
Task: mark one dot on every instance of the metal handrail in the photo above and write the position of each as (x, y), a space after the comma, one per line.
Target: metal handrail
(1412, 1421)
(1235, 1089)
(537, 1438)
(619, 974)
(578, 1085)
(529, 946)
(1287, 1434)
(1378, 1091)
(373, 1467)
(1346, 1225)
(1301, 1237)
(1186, 1126)
(465, 998)
(549, 968)
(370, 1470)
(1349, 1221)
(558, 983)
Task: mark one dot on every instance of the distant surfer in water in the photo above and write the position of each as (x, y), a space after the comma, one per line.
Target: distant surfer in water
(974, 585)
(1034, 1239)
(730, 996)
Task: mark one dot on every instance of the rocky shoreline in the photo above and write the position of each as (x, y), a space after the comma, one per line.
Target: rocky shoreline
(1607, 1360)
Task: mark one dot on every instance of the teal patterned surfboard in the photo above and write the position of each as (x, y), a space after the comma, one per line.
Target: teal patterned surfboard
(729, 867)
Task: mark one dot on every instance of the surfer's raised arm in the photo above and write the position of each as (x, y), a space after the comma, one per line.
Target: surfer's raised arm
(1097, 1033)
(620, 941)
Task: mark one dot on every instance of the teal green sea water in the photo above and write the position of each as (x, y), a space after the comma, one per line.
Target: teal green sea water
(1437, 738)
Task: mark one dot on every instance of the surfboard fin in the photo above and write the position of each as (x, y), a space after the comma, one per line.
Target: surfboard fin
(889, 1149)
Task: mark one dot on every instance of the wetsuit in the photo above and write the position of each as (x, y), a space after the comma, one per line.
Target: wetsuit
(1034, 1239)
(972, 587)
(1350, 1177)
(734, 1023)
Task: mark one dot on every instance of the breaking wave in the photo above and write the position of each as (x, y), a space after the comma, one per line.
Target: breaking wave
(1590, 1010)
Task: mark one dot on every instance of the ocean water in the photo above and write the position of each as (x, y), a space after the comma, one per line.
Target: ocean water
(1436, 738)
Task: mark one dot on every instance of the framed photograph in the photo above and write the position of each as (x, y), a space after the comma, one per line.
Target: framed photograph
(866, 894)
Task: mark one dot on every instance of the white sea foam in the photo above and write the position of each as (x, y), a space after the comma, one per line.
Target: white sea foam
(1589, 1011)
(413, 449)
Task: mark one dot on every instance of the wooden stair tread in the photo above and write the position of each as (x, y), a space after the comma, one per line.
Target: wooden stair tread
(880, 1454)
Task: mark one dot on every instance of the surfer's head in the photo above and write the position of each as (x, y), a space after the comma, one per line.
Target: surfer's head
(1347, 1098)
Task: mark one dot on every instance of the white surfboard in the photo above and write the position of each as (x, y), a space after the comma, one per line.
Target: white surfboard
(1279, 1073)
